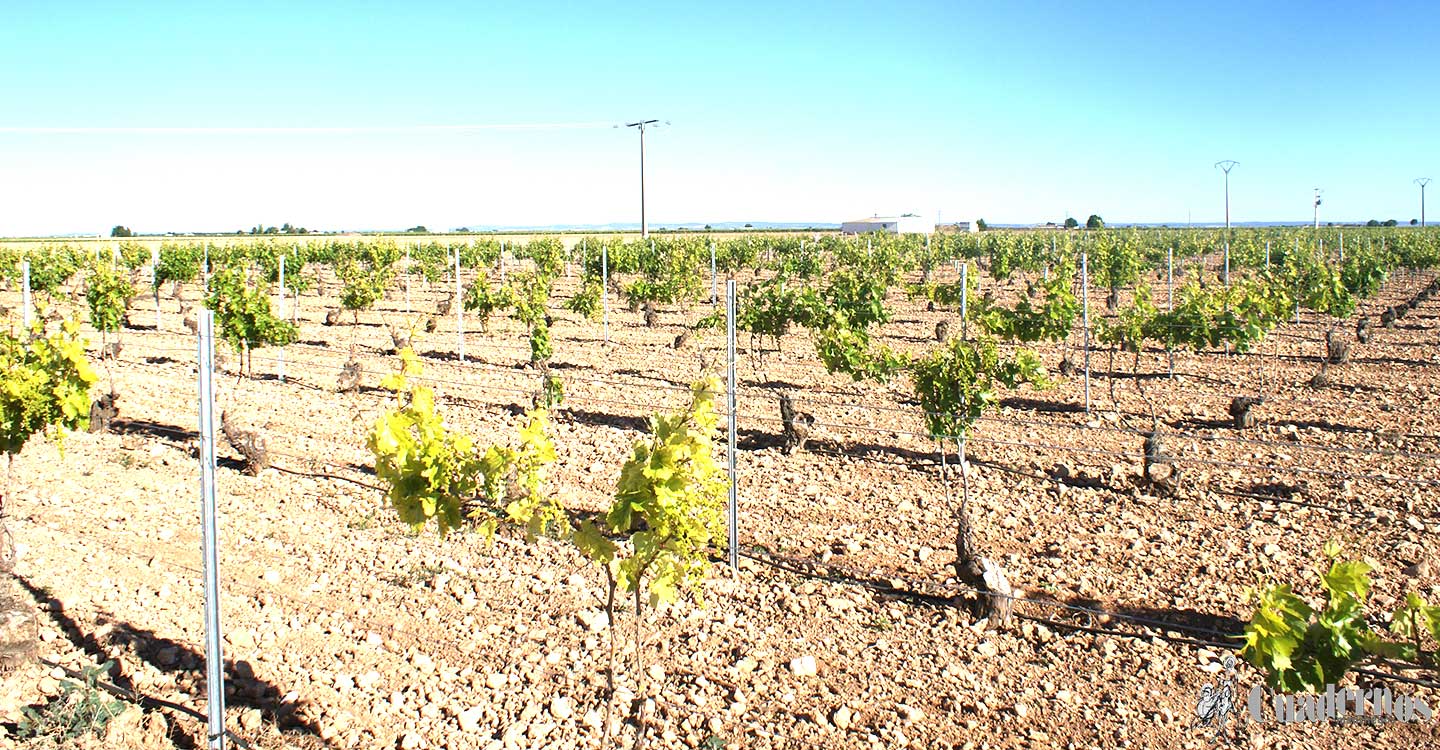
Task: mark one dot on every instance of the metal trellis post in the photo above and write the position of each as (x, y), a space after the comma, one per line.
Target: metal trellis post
(965, 301)
(25, 290)
(460, 307)
(280, 355)
(1085, 307)
(714, 281)
(605, 286)
(214, 662)
(155, 281)
(1297, 286)
(1170, 278)
(734, 504)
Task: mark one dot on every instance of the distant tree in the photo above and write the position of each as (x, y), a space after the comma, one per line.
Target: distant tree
(420, 229)
(1372, 223)
(1071, 223)
(981, 225)
(1413, 222)
(749, 226)
(1094, 222)
(121, 231)
(1391, 222)
(707, 226)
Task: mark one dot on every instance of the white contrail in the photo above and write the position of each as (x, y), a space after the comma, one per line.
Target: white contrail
(30, 130)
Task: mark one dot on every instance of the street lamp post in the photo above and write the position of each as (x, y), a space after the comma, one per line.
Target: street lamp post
(644, 228)
(1317, 209)
(1422, 182)
(1225, 166)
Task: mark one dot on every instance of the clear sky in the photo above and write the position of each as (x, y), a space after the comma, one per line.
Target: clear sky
(1015, 112)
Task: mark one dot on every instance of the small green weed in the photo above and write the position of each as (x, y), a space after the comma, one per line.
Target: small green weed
(79, 710)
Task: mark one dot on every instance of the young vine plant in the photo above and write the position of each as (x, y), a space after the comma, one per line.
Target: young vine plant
(1302, 648)
(44, 382)
(244, 315)
(108, 293)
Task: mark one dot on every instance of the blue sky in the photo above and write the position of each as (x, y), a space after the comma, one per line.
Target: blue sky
(1015, 112)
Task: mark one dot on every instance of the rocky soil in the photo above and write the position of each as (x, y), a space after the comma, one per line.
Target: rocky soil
(843, 626)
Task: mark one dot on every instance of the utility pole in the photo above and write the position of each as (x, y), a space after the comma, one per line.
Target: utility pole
(1317, 209)
(1422, 182)
(644, 229)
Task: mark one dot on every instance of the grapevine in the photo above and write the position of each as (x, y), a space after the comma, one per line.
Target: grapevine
(246, 321)
(956, 384)
(107, 293)
(1299, 648)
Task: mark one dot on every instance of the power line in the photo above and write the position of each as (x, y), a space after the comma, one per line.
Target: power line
(298, 130)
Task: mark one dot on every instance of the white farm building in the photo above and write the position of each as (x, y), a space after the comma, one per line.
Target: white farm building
(909, 224)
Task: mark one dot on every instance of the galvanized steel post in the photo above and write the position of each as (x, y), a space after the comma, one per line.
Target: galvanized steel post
(214, 661)
(605, 286)
(25, 290)
(460, 307)
(734, 504)
(280, 356)
(1085, 306)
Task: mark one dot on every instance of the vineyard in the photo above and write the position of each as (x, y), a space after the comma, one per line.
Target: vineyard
(1004, 489)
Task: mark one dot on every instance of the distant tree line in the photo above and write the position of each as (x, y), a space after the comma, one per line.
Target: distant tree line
(285, 228)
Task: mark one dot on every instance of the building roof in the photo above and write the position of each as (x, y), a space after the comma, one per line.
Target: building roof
(881, 219)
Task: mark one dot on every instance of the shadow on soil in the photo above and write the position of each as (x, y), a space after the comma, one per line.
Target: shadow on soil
(1228, 424)
(1196, 624)
(470, 358)
(122, 426)
(602, 419)
(245, 689)
(1042, 406)
(1192, 622)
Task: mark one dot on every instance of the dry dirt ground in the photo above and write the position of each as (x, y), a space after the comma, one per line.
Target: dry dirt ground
(343, 629)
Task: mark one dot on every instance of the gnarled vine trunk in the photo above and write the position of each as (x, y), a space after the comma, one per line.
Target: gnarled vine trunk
(997, 598)
(1240, 411)
(250, 444)
(795, 424)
